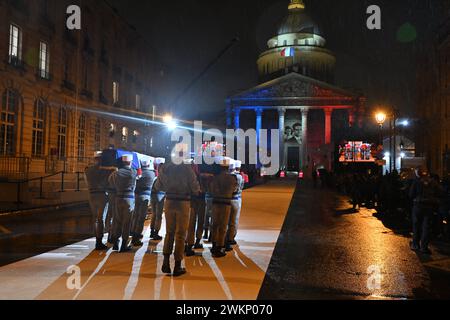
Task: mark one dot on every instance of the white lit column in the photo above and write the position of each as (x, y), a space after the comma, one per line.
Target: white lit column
(304, 137)
(281, 118)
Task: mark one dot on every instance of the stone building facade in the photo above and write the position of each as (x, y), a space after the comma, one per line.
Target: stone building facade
(65, 94)
(433, 102)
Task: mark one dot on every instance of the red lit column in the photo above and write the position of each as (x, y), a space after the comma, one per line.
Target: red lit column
(351, 118)
(328, 114)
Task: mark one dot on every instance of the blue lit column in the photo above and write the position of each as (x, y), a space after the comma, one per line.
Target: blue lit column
(237, 112)
(259, 113)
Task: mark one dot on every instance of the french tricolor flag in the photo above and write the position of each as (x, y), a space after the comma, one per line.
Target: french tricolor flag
(288, 52)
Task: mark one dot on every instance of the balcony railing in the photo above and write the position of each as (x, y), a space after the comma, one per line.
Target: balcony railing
(68, 85)
(16, 62)
(44, 75)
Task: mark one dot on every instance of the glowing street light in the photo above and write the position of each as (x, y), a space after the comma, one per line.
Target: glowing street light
(167, 119)
(170, 122)
(381, 117)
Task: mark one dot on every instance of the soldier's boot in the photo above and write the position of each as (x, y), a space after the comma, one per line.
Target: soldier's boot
(157, 237)
(232, 242)
(206, 235)
(219, 252)
(116, 245)
(99, 245)
(178, 270)
(137, 242)
(166, 265)
(152, 233)
(228, 247)
(125, 247)
(198, 244)
(188, 251)
(213, 248)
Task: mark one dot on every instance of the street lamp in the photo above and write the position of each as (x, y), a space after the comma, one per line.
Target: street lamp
(380, 117)
(170, 122)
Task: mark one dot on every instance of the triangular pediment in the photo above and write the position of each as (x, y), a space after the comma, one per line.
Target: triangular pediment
(293, 85)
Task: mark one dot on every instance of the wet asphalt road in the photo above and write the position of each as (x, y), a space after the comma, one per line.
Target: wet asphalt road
(28, 235)
(325, 251)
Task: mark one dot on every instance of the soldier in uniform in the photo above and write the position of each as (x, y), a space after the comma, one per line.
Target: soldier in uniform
(179, 182)
(96, 178)
(197, 217)
(222, 187)
(125, 185)
(157, 201)
(236, 205)
(143, 193)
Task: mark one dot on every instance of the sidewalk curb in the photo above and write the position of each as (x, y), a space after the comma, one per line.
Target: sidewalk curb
(30, 211)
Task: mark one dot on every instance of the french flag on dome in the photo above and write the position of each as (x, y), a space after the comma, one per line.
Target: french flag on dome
(288, 52)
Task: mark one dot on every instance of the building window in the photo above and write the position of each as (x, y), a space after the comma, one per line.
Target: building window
(138, 102)
(15, 44)
(10, 102)
(97, 135)
(135, 136)
(112, 130)
(124, 134)
(62, 132)
(38, 129)
(44, 61)
(81, 136)
(115, 92)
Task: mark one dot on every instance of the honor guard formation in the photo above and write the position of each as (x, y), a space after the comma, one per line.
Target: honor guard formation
(200, 203)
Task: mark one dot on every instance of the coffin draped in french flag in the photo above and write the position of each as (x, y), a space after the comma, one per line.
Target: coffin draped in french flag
(288, 52)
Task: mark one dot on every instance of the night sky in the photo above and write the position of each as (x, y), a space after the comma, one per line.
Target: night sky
(188, 34)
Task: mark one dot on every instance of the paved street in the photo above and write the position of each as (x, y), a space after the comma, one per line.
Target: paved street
(326, 252)
(137, 275)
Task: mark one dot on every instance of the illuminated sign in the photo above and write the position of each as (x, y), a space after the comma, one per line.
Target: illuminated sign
(356, 151)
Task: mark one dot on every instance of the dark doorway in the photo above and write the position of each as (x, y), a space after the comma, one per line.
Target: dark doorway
(293, 159)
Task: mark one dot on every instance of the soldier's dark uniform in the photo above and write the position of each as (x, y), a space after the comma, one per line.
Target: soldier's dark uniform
(222, 188)
(179, 183)
(125, 183)
(143, 193)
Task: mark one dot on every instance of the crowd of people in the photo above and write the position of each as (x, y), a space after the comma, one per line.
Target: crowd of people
(417, 195)
(200, 202)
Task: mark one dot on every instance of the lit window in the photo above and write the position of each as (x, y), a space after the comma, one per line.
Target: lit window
(8, 109)
(112, 130)
(97, 135)
(138, 102)
(44, 60)
(81, 136)
(62, 132)
(115, 92)
(15, 43)
(38, 128)
(135, 136)
(125, 134)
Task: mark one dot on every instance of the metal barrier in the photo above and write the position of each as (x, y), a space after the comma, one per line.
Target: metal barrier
(18, 167)
(62, 182)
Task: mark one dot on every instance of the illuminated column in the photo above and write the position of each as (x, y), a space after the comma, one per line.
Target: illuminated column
(229, 117)
(304, 137)
(351, 117)
(328, 114)
(281, 118)
(237, 112)
(259, 113)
